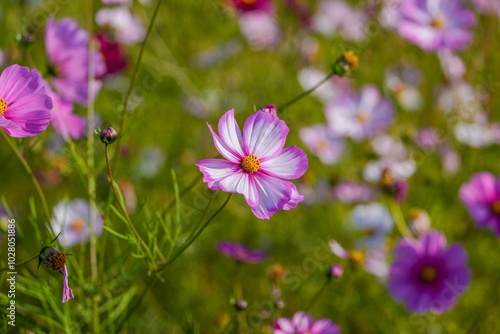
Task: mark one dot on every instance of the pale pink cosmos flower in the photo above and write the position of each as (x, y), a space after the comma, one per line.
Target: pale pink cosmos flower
(336, 16)
(67, 47)
(260, 29)
(24, 104)
(360, 115)
(323, 143)
(436, 25)
(255, 163)
(127, 28)
(67, 291)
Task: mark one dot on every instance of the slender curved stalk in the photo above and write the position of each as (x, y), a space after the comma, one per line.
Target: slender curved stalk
(133, 80)
(304, 94)
(397, 215)
(316, 296)
(122, 207)
(22, 263)
(153, 278)
(30, 173)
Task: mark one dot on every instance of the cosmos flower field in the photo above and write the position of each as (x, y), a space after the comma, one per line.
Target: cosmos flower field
(250, 166)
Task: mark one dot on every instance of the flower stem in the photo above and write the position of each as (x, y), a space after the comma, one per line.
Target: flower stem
(133, 80)
(397, 215)
(90, 163)
(304, 94)
(30, 173)
(22, 263)
(315, 298)
(153, 278)
(121, 205)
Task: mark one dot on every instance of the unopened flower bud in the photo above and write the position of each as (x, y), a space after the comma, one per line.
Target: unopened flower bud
(270, 109)
(345, 64)
(240, 304)
(277, 273)
(335, 271)
(108, 135)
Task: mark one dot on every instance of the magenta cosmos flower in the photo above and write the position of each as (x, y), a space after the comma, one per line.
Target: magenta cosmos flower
(426, 275)
(436, 24)
(241, 252)
(24, 105)
(360, 115)
(255, 163)
(251, 5)
(481, 195)
(67, 125)
(303, 323)
(67, 48)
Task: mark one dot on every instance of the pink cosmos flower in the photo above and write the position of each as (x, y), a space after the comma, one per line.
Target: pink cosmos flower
(260, 29)
(337, 16)
(481, 196)
(360, 115)
(303, 323)
(255, 163)
(323, 143)
(113, 54)
(427, 275)
(436, 24)
(126, 27)
(67, 48)
(251, 5)
(68, 125)
(72, 220)
(24, 105)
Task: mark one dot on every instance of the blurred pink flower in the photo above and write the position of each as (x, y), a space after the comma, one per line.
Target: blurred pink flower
(245, 6)
(125, 27)
(336, 16)
(67, 47)
(260, 29)
(72, 220)
(116, 2)
(256, 163)
(436, 24)
(67, 125)
(113, 55)
(403, 80)
(351, 192)
(303, 323)
(323, 143)
(360, 115)
(488, 6)
(24, 104)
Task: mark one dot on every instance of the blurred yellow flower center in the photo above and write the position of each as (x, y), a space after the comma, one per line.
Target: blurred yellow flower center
(361, 117)
(78, 224)
(3, 106)
(495, 207)
(357, 257)
(351, 59)
(437, 23)
(250, 164)
(428, 274)
(248, 2)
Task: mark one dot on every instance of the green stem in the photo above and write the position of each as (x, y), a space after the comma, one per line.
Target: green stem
(304, 94)
(397, 215)
(121, 205)
(189, 242)
(30, 173)
(153, 278)
(90, 164)
(315, 298)
(22, 263)
(133, 80)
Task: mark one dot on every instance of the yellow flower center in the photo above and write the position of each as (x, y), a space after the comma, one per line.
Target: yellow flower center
(248, 2)
(428, 274)
(3, 106)
(356, 257)
(437, 23)
(351, 59)
(495, 207)
(361, 117)
(78, 224)
(250, 164)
